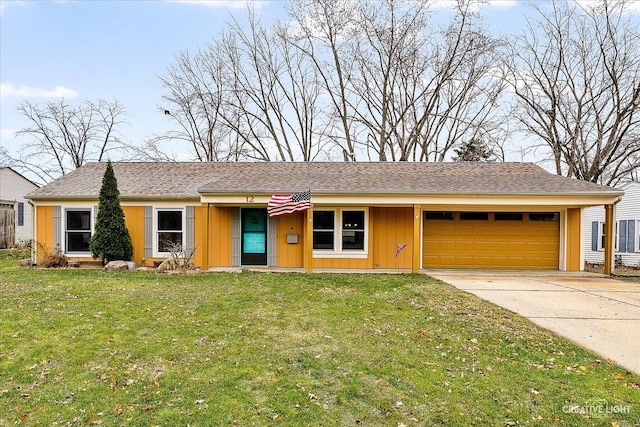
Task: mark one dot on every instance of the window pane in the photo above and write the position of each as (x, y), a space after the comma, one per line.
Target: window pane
(323, 239)
(353, 220)
(477, 216)
(79, 220)
(352, 239)
(165, 240)
(438, 215)
(508, 216)
(170, 220)
(78, 241)
(254, 220)
(253, 243)
(353, 230)
(551, 216)
(20, 214)
(323, 220)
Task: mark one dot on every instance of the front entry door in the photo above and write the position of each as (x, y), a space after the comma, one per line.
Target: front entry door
(254, 236)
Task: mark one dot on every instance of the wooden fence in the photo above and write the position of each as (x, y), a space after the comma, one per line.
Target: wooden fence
(7, 228)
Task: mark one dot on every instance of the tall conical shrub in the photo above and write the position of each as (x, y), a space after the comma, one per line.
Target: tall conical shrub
(110, 240)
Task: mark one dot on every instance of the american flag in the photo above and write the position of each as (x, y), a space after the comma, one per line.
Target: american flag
(281, 204)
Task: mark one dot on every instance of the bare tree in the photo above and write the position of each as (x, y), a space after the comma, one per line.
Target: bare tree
(399, 89)
(275, 92)
(462, 88)
(326, 30)
(195, 102)
(250, 95)
(390, 64)
(63, 137)
(342, 78)
(576, 80)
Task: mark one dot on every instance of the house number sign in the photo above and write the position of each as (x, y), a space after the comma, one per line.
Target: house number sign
(250, 199)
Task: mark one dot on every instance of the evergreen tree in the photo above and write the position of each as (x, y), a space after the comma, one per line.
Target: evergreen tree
(474, 150)
(111, 240)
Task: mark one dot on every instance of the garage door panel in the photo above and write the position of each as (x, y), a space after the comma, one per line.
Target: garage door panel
(516, 232)
(491, 244)
(482, 247)
(516, 263)
(500, 247)
(533, 246)
(499, 263)
(481, 262)
(515, 246)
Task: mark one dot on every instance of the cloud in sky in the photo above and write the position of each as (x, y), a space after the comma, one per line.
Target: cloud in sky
(7, 133)
(7, 89)
(230, 4)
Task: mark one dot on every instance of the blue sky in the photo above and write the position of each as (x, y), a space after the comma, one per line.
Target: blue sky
(115, 49)
(101, 49)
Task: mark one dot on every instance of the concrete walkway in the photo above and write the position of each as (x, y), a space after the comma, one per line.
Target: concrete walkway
(592, 310)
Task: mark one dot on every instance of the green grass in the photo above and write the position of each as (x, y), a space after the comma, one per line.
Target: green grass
(86, 347)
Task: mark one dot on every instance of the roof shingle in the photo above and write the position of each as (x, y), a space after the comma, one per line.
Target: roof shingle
(189, 180)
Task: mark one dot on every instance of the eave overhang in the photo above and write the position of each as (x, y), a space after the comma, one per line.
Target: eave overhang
(428, 200)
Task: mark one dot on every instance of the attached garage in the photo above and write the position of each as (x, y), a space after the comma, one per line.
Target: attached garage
(400, 216)
(491, 240)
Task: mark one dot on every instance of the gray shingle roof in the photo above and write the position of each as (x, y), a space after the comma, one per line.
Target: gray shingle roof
(189, 180)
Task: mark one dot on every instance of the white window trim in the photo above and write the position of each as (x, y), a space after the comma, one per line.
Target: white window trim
(157, 253)
(82, 254)
(338, 252)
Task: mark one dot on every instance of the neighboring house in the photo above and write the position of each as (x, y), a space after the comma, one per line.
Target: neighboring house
(450, 215)
(627, 229)
(16, 215)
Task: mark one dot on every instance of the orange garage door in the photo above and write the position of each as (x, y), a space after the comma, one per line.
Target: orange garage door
(486, 240)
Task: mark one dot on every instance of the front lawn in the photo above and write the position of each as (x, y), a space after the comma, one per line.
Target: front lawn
(87, 347)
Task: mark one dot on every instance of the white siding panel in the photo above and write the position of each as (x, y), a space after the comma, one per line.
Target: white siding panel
(627, 209)
(14, 187)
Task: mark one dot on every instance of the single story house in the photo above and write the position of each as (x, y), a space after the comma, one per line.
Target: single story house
(15, 211)
(361, 216)
(627, 229)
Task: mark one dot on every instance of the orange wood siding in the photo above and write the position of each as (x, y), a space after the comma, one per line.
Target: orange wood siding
(134, 220)
(44, 231)
(391, 226)
(307, 247)
(415, 256)
(290, 254)
(342, 263)
(219, 251)
(573, 240)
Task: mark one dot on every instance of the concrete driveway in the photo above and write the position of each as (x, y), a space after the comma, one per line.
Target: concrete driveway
(592, 310)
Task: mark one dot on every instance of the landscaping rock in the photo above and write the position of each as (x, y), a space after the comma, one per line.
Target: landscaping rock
(116, 265)
(26, 262)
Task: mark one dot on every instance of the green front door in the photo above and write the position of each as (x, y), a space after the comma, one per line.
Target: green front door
(254, 236)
